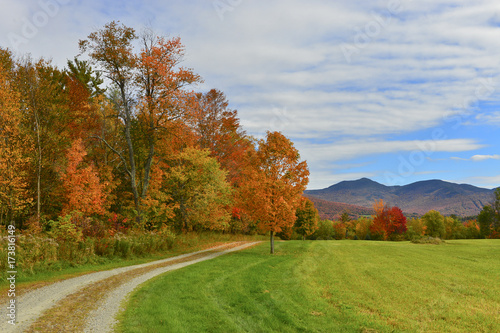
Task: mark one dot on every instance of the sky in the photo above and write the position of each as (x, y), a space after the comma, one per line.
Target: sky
(397, 91)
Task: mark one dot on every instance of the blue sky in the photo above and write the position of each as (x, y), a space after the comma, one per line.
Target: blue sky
(395, 90)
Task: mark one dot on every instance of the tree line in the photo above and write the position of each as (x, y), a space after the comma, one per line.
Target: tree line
(389, 223)
(124, 139)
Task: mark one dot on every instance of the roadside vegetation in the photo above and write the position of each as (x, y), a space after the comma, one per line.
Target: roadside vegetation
(44, 260)
(348, 286)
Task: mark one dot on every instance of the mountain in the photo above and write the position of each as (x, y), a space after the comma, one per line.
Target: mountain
(333, 210)
(420, 197)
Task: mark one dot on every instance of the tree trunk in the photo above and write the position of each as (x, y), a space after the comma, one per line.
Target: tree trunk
(147, 168)
(39, 171)
(272, 242)
(128, 138)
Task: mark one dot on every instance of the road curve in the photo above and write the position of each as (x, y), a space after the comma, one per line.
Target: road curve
(103, 318)
(33, 304)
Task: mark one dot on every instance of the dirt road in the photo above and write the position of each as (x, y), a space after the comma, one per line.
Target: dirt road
(89, 303)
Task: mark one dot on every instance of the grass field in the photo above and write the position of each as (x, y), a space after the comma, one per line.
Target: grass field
(328, 286)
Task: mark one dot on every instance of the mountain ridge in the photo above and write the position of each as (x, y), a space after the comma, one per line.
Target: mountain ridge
(418, 197)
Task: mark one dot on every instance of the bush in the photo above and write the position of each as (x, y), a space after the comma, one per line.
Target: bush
(65, 230)
(32, 252)
(64, 245)
(104, 247)
(428, 240)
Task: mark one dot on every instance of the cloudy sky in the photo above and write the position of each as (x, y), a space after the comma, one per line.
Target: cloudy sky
(394, 90)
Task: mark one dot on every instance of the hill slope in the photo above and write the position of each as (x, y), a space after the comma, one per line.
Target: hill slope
(420, 197)
(333, 210)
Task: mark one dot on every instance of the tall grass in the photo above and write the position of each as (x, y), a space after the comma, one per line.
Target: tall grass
(40, 252)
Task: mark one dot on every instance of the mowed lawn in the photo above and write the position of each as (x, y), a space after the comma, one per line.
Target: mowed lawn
(328, 286)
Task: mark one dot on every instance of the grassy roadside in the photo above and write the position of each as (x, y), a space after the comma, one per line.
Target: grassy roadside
(184, 244)
(328, 286)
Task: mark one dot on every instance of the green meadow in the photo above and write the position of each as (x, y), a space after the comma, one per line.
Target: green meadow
(328, 286)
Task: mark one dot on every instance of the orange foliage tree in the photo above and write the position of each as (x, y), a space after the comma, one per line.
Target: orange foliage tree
(218, 129)
(388, 221)
(276, 184)
(150, 93)
(82, 189)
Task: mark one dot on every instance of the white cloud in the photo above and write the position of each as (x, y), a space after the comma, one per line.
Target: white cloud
(478, 158)
(490, 118)
(484, 181)
(351, 149)
(281, 65)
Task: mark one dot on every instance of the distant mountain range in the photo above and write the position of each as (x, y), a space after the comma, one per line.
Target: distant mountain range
(419, 198)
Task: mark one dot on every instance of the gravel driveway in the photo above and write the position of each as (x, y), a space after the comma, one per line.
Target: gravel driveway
(32, 306)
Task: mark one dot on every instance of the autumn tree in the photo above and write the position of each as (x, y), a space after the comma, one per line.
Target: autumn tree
(200, 191)
(45, 115)
(416, 228)
(388, 221)
(151, 93)
(307, 218)
(276, 185)
(362, 228)
(218, 129)
(14, 195)
(82, 188)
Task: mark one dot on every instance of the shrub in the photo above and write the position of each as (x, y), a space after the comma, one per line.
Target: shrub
(65, 230)
(33, 251)
(428, 240)
(104, 247)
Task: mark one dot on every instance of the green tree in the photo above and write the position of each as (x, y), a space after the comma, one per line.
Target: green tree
(325, 231)
(307, 218)
(489, 218)
(486, 220)
(434, 222)
(454, 228)
(199, 188)
(416, 228)
(83, 72)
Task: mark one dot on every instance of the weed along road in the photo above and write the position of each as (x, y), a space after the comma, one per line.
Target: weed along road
(89, 303)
